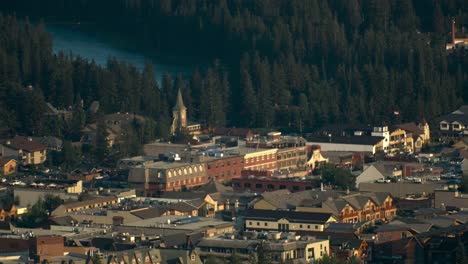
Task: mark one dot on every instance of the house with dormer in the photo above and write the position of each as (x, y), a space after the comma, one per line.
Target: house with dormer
(453, 125)
(362, 207)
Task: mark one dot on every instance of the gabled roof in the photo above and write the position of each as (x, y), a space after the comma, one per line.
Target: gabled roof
(234, 132)
(356, 201)
(283, 199)
(411, 127)
(292, 216)
(24, 143)
(4, 161)
(182, 207)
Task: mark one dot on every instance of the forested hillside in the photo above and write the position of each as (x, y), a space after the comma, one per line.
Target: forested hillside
(294, 64)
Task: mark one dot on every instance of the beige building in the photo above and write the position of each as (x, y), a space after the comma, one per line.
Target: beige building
(259, 159)
(292, 158)
(156, 178)
(97, 202)
(287, 221)
(283, 247)
(24, 149)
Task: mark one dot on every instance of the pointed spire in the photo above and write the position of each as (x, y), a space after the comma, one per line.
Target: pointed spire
(179, 102)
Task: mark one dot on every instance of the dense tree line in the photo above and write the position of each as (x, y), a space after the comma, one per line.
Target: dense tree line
(296, 64)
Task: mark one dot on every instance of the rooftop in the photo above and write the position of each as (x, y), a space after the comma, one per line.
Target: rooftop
(292, 216)
(170, 222)
(24, 143)
(354, 140)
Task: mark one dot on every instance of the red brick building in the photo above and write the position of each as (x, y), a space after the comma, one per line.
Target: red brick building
(224, 168)
(46, 247)
(264, 184)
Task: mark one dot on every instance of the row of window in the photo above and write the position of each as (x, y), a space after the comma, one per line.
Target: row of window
(184, 182)
(184, 171)
(260, 158)
(262, 167)
(454, 126)
(285, 227)
(234, 172)
(217, 165)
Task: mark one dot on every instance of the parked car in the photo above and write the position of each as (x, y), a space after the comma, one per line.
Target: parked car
(434, 178)
(383, 180)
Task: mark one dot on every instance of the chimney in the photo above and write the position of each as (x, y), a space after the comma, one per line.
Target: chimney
(453, 31)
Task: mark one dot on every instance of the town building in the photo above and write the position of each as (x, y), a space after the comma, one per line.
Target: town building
(275, 140)
(44, 248)
(282, 247)
(400, 141)
(24, 149)
(155, 178)
(292, 158)
(7, 214)
(457, 39)
(258, 159)
(224, 168)
(83, 175)
(450, 199)
(65, 189)
(234, 132)
(358, 143)
(116, 127)
(97, 202)
(8, 166)
(363, 207)
(154, 255)
(287, 221)
(267, 184)
(316, 159)
(453, 125)
(420, 132)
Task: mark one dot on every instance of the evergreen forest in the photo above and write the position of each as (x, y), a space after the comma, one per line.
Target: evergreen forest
(294, 65)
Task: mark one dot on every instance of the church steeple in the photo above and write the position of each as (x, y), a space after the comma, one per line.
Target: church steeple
(179, 102)
(179, 114)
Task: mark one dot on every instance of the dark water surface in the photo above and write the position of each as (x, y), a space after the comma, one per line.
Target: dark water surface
(82, 41)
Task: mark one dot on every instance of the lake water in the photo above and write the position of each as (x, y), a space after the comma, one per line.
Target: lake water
(81, 41)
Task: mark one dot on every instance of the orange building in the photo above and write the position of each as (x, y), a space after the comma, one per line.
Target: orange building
(10, 213)
(8, 166)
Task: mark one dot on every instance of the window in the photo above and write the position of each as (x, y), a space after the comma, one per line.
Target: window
(250, 223)
(282, 187)
(229, 163)
(209, 166)
(258, 185)
(308, 226)
(316, 226)
(270, 186)
(266, 224)
(247, 185)
(308, 187)
(300, 226)
(296, 188)
(258, 223)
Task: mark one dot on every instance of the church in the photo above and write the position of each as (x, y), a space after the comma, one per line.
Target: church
(179, 115)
